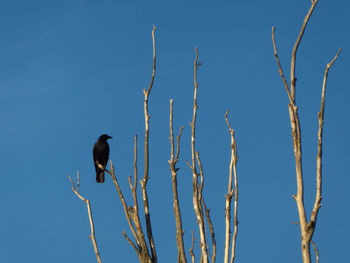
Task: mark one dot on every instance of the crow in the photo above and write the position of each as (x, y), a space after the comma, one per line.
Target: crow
(101, 153)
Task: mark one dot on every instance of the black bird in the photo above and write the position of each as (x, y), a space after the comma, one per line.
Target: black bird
(101, 154)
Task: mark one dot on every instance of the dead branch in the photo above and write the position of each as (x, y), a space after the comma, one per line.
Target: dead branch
(144, 181)
(316, 251)
(191, 250)
(130, 242)
(211, 229)
(173, 160)
(317, 204)
(295, 49)
(296, 136)
(92, 235)
(229, 195)
(228, 200)
(280, 70)
(141, 252)
(196, 198)
(136, 217)
(207, 211)
(306, 228)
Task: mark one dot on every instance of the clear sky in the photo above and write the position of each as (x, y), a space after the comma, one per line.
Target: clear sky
(72, 70)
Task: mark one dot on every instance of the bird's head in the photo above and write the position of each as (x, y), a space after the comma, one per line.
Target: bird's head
(104, 137)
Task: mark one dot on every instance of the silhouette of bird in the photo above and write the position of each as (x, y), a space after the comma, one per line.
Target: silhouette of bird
(101, 154)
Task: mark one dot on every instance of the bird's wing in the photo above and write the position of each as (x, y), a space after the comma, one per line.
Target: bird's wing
(105, 155)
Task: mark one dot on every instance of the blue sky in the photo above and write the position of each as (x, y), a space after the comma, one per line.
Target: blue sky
(72, 70)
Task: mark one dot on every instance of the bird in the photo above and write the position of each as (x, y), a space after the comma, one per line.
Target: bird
(100, 153)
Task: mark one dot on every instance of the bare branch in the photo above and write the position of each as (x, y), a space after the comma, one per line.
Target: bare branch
(200, 190)
(316, 251)
(136, 213)
(78, 183)
(196, 193)
(191, 250)
(229, 195)
(131, 243)
(92, 235)
(280, 67)
(234, 237)
(295, 49)
(193, 123)
(132, 213)
(178, 145)
(125, 206)
(173, 160)
(144, 181)
(189, 164)
(296, 135)
(211, 229)
(135, 164)
(317, 204)
(73, 184)
(201, 200)
(306, 228)
(154, 63)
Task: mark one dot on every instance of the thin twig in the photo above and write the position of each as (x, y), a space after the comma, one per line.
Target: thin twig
(191, 250)
(135, 164)
(295, 49)
(130, 242)
(92, 235)
(316, 251)
(280, 67)
(173, 160)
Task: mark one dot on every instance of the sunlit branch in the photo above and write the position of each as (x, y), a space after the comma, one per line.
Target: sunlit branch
(173, 160)
(87, 202)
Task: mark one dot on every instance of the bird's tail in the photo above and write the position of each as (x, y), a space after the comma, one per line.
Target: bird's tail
(100, 177)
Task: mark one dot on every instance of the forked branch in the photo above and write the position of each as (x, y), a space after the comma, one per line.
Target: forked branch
(306, 227)
(144, 181)
(87, 202)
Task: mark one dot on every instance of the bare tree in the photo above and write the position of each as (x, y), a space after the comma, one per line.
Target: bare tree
(146, 251)
(307, 227)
